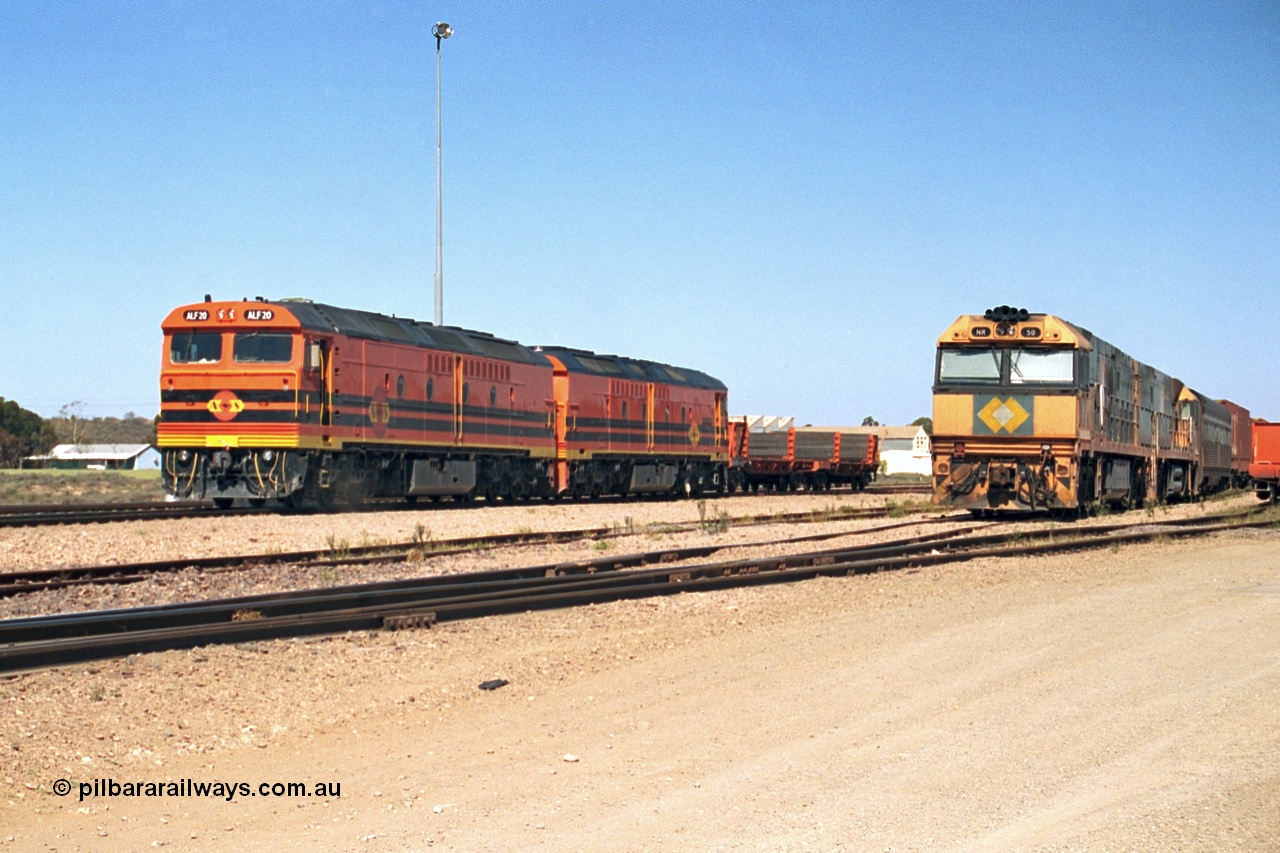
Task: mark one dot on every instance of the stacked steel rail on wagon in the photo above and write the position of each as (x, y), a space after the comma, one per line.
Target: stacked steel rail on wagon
(1032, 412)
(814, 458)
(313, 404)
(1265, 466)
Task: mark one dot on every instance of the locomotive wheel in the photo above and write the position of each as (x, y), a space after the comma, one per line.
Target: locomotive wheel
(257, 503)
(223, 503)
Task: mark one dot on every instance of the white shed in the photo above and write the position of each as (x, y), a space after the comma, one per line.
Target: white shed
(97, 456)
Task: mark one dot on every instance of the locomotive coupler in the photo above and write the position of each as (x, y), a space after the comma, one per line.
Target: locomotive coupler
(1002, 476)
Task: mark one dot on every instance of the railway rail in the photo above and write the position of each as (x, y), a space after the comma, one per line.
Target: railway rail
(32, 580)
(36, 515)
(53, 640)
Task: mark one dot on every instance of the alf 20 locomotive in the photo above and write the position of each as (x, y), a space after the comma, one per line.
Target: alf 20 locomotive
(313, 404)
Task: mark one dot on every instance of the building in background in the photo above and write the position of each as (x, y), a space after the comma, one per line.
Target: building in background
(903, 449)
(100, 457)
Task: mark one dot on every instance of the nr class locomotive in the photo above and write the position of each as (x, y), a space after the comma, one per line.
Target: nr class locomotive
(1032, 412)
(313, 404)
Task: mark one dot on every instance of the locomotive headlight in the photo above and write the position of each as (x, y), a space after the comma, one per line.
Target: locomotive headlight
(184, 456)
(268, 455)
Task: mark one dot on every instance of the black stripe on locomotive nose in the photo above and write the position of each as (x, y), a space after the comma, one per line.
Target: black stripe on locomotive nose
(205, 395)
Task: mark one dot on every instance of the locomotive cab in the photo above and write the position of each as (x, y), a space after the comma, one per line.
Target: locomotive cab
(236, 382)
(1005, 413)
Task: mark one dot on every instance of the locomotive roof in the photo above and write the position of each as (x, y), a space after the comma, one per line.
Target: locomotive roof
(1054, 330)
(403, 330)
(585, 361)
(369, 325)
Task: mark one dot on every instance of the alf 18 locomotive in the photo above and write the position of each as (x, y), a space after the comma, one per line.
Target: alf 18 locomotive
(1032, 412)
(314, 404)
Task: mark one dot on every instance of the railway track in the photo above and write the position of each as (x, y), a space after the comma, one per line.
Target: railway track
(24, 581)
(36, 515)
(898, 489)
(52, 640)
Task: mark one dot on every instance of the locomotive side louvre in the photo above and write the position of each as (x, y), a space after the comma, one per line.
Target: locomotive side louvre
(1031, 412)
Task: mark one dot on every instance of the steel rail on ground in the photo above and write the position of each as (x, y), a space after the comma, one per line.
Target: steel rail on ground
(31, 580)
(53, 640)
(36, 515)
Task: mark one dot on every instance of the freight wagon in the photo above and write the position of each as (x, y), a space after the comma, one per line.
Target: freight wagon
(815, 458)
(1265, 466)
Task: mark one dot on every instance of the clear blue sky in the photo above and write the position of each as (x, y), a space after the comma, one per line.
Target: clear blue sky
(795, 198)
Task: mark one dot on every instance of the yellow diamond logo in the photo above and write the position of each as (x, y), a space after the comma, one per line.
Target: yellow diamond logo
(1004, 415)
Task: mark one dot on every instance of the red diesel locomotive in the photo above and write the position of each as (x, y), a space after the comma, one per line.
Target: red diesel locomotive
(314, 404)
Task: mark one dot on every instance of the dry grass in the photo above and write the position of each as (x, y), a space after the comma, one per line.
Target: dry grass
(72, 487)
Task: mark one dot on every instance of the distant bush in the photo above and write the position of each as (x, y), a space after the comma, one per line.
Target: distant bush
(22, 433)
(131, 429)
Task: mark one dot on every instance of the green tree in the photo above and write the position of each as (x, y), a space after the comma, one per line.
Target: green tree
(927, 423)
(22, 433)
(870, 421)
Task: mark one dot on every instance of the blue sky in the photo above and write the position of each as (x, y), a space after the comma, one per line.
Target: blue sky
(796, 198)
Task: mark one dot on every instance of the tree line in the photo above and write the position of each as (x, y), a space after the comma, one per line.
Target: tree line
(24, 433)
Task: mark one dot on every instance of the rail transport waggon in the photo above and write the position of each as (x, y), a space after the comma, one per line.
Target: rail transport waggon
(812, 458)
(1264, 467)
(313, 404)
(1033, 412)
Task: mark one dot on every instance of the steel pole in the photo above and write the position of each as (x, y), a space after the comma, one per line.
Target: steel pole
(439, 200)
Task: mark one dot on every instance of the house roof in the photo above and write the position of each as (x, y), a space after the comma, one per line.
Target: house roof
(885, 431)
(95, 451)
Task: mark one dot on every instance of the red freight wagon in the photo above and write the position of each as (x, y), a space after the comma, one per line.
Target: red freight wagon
(1265, 468)
(802, 457)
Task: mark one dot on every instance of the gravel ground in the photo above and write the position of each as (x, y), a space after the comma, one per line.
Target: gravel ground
(1124, 699)
(123, 542)
(136, 541)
